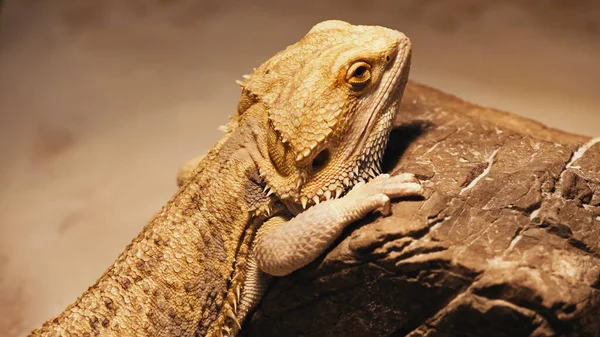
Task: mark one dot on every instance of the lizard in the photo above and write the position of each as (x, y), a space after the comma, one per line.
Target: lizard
(300, 160)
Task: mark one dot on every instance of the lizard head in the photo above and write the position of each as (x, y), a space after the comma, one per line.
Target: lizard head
(331, 100)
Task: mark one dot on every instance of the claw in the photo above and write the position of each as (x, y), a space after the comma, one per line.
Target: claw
(387, 206)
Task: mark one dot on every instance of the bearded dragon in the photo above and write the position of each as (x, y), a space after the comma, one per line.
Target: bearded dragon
(299, 162)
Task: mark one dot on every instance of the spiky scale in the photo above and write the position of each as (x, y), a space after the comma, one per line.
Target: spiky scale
(371, 172)
(238, 289)
(304, 201)
(232, 301)
(232, 316)
(299, 183)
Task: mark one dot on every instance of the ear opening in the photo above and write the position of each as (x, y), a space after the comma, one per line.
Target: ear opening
(320, 160)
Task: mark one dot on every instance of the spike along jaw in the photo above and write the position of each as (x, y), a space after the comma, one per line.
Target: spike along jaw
(329, 125)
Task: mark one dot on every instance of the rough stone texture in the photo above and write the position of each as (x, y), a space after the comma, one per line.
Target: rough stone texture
(506, 243)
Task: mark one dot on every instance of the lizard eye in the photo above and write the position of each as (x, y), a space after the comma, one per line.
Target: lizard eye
(359, 75)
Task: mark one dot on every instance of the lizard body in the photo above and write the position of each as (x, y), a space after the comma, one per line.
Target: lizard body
(268, 198)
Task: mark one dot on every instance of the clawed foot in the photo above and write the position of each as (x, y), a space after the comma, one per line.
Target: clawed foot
(381, 189)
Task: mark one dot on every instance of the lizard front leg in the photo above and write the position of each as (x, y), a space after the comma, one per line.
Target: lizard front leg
(284, 245)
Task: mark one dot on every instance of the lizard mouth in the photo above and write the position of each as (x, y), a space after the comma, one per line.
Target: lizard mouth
(366, 158)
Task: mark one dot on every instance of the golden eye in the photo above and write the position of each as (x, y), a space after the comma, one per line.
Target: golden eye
(359, 75)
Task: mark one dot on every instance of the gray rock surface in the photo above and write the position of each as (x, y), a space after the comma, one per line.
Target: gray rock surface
(506, 242)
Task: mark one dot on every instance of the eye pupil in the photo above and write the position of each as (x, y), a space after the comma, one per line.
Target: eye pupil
(360, 71)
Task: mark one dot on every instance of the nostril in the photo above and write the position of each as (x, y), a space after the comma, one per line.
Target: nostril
(387, 58)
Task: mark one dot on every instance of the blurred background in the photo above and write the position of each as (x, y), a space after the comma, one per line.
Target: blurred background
(101, 101)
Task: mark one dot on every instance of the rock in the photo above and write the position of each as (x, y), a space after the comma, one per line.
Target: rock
(505, 243)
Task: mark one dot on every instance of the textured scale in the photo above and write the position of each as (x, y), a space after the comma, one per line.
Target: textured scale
(308, 133)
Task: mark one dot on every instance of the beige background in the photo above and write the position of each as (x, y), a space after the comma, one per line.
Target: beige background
(100, 101)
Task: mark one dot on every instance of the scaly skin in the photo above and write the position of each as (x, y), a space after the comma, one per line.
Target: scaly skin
(270, 196)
